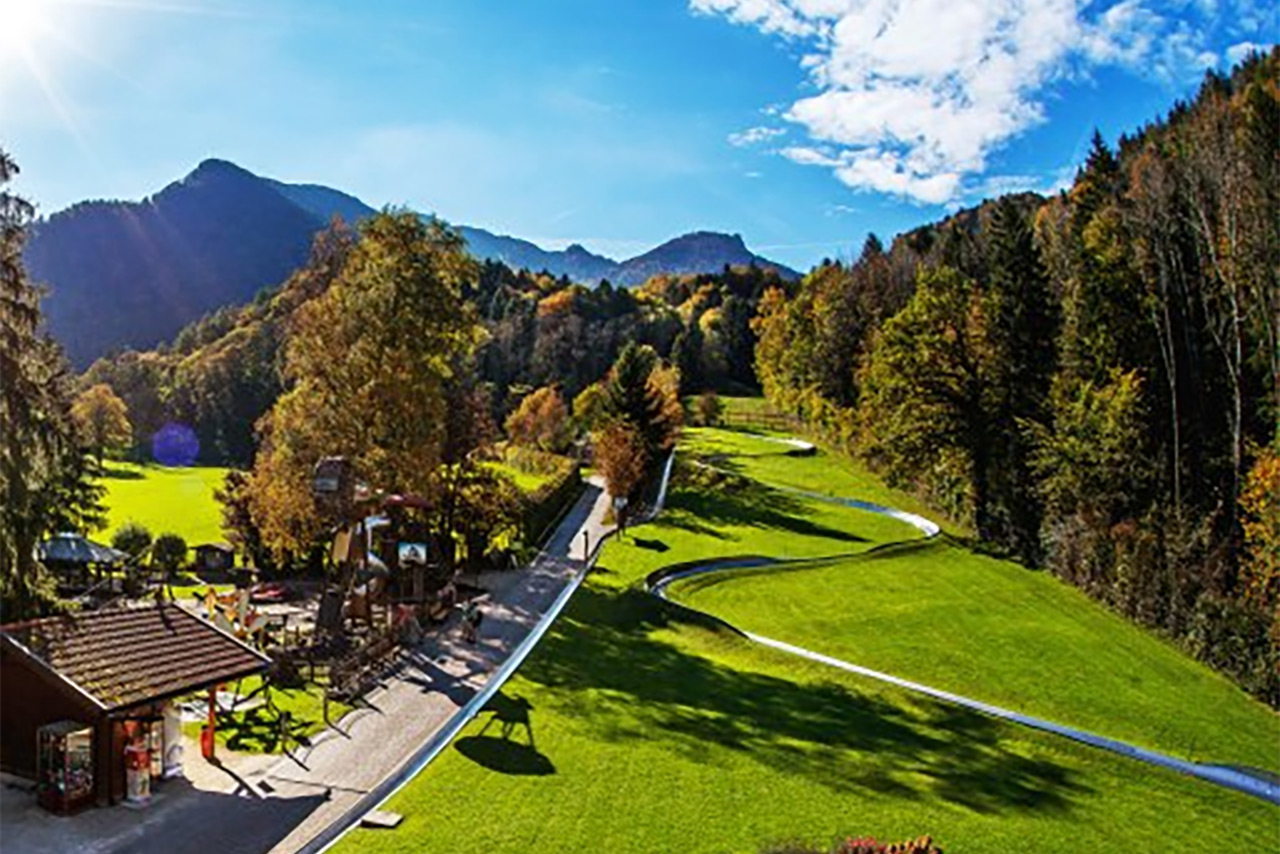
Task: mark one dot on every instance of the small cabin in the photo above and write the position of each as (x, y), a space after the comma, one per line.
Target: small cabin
(214, 556)
(79, 693)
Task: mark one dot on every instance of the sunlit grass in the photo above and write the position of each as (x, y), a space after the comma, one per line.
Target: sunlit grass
(638, 726)
(165, 500)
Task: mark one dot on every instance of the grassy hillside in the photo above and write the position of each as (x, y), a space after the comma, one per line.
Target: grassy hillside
(165, 500)
(985, 628)
(637, 726)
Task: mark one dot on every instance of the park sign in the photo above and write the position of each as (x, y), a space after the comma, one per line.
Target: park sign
(333, 486)
(412, 554)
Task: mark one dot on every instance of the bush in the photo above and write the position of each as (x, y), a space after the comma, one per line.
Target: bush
(169, 552)
(543, 507)
(710, 409)
(131, 538)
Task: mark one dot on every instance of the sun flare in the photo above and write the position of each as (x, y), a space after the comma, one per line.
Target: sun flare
(23, 23)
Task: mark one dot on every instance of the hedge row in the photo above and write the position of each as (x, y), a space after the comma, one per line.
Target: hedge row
(543, 507)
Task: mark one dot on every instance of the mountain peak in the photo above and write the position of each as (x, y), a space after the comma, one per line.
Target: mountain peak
(216, 167)
(696, 252)
(717, 239)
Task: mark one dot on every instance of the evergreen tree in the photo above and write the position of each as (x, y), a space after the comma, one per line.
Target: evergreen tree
(45, 481)
(1022, 329)
(686, 354)
(632, 400)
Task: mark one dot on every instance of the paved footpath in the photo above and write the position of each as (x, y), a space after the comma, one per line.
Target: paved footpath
(258, 804)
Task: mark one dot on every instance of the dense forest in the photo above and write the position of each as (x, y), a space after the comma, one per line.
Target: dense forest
(1090, 382)
(224, 372)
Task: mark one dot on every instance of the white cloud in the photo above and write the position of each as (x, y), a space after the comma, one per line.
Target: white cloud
(913, 96)
(752, 136)
(1238, 52)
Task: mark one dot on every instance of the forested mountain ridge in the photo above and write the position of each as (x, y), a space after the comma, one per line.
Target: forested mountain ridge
(221, 373)
(132, 274)
(1092, 382)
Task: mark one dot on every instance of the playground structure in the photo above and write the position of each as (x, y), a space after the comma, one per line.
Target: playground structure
(388, 572)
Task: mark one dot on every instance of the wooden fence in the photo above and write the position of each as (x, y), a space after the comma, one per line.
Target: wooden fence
(761, 420)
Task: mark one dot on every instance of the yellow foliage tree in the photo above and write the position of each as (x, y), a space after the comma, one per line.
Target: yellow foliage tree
(1260, 501)
(541, 421)
(368, 362)
(102, 419)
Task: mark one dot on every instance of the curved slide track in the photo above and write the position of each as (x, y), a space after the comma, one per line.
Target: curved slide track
(658, 582)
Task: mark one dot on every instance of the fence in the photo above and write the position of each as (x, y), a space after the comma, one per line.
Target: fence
(761, 420)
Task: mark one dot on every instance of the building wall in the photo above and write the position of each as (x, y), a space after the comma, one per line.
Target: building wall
(28, 701)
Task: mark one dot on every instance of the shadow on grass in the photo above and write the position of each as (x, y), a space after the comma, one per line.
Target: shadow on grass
(651, 545)
(504, 752)
(630, 685)
(746, 502)
(260, 730)
(122, 474)
(504, 756)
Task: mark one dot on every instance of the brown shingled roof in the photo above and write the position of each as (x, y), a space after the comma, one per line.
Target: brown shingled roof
(121, 657)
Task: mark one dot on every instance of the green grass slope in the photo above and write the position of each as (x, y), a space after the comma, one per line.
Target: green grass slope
(166, 500)
(989, 629)
(638, 726)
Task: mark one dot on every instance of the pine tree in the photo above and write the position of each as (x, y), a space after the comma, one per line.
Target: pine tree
(632, 400)
(1022, 329)
(45, 481)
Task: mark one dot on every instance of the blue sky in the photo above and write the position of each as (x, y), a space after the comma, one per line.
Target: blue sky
(801, 124)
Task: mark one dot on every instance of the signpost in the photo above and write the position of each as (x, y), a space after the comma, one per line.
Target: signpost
(619, 506)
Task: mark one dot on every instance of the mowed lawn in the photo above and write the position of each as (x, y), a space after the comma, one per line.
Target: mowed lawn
(988, 629)
(166, 500)
(636, 725)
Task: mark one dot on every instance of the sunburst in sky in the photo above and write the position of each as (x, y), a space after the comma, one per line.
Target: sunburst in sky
(606, 124)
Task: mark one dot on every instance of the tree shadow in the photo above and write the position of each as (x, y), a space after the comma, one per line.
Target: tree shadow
(504, 756)
(652, 545)
(603, 654)
(504, 752)
(121, 474)
(264, 730)
(420, 670)
(746, 502)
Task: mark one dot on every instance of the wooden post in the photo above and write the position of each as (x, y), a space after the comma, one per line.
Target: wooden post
(209, 739)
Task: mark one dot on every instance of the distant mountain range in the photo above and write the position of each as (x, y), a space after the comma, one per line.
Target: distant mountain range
(132, 274)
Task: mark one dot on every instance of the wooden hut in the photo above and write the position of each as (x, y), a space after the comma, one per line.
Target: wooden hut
(215, 556)
(111, 672)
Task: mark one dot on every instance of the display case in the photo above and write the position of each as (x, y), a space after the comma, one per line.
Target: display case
(65, 766)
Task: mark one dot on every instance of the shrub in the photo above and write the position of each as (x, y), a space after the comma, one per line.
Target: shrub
(131, 538)
(544, 506)
(169, 552)
(710, 409)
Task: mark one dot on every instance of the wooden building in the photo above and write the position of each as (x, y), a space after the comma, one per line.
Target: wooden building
(76, 561)
(214, 556)
(110, 670)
